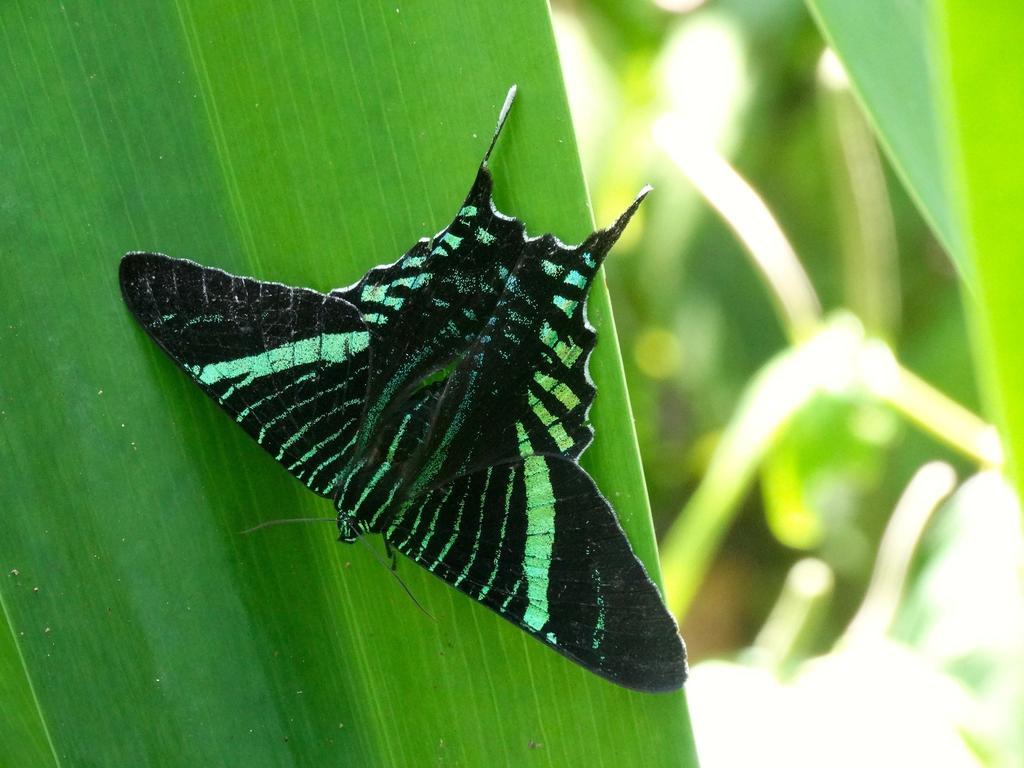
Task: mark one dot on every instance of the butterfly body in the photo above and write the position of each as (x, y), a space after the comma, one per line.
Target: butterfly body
(441, 402)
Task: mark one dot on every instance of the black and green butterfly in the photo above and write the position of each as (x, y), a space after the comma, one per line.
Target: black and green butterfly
(441, 402)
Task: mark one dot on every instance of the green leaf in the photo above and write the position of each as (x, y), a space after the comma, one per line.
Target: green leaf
(982, 78)
(885, 48)
(303, 143)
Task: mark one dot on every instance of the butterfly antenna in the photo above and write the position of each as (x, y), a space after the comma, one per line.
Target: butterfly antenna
(291, 520)
(379, 559)
(502, 117)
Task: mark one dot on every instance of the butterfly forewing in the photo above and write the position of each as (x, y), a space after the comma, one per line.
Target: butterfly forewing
(289, 364)
(535, 541)
(525, 375)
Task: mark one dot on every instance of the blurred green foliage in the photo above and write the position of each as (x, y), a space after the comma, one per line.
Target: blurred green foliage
(790, 452)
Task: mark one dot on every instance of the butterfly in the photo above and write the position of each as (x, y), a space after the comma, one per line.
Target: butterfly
(441, 402)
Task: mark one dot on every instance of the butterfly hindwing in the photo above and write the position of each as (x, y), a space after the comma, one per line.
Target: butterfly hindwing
(525, 375)
(534, 541)
(289, 364)
(427, 308)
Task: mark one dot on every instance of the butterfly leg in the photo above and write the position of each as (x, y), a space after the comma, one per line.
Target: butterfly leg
(390, 554)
